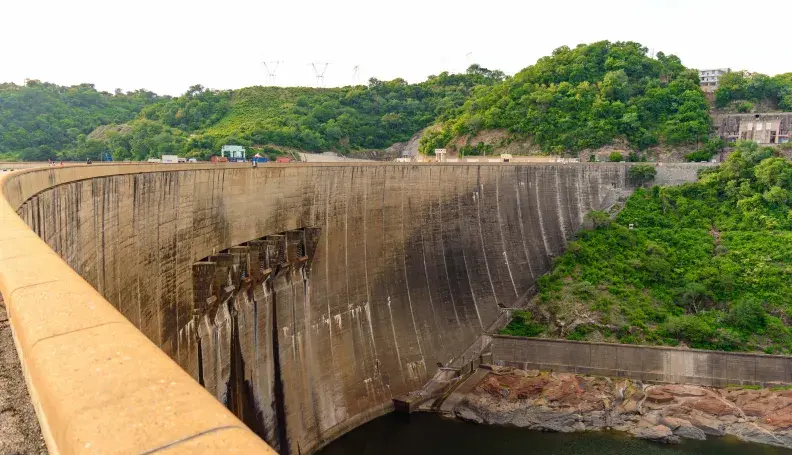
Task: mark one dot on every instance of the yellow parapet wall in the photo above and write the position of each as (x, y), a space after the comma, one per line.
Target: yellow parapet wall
(97, 383)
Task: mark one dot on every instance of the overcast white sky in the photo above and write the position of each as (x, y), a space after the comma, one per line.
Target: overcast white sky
(168, 45)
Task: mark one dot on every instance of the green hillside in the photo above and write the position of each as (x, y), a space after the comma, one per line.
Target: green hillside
(39, 120)
(707, 264)
(581, 98)
(375, 116)
(742, 91)
(585, 98)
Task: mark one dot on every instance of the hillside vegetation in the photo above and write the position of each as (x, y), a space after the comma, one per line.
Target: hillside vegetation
(742, 91)
(708, 265)
(585, 98)
(43, 120)
(581, 98)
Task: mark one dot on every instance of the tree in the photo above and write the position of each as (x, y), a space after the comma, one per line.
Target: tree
(641, 173)
(748, 315)
(615, 85)
(615, 157)
(596, 218)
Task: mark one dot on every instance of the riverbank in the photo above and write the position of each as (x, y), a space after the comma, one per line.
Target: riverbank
(664, 413)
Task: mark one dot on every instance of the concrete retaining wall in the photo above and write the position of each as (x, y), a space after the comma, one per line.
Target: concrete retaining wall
(646, 363)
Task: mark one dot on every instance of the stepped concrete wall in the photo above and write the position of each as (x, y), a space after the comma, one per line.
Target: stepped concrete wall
(408, 265)
(645, 363)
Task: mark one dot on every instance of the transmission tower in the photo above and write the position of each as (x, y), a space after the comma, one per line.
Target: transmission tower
(319, 73)
(271, 71)
(356, 75)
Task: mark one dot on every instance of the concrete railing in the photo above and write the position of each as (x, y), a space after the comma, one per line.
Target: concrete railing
(97, 383)
(646, 363)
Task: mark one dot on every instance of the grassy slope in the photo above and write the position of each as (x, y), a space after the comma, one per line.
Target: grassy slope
(261, 106)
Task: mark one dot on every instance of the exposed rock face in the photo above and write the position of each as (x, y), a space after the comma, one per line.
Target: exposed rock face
(662, 413)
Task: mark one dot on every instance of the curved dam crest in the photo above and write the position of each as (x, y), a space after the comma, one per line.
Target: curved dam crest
(409, 264)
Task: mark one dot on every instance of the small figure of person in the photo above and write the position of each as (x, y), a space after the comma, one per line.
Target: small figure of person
(89, 161)
(255, 163)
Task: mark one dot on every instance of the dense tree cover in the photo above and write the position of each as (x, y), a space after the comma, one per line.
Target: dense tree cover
(641, 173)
(706, 264)
(39, 120)
(373, 116)
(585, 98)
(708, 149)
(198, 108)
(743, 89)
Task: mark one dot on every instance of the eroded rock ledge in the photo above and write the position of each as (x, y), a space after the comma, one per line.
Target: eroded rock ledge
(568, 402)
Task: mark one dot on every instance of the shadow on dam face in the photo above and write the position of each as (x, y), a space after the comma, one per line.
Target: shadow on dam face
(306, 297)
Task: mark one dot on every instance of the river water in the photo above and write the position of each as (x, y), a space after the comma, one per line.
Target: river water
(423, 433)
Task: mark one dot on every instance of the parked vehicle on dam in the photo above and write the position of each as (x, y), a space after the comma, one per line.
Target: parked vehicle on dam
(259, 159)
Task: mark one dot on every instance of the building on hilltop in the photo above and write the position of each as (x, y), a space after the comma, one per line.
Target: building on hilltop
(236, 153)
(708, 79)
(772, 128)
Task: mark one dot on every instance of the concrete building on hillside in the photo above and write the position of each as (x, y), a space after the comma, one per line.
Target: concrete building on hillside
(708, 79)
(768, 129)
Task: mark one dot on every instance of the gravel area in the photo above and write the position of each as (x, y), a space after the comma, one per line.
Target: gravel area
(20, 433)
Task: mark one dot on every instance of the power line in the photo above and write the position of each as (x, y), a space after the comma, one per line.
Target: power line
(319, 73)
(271, 71)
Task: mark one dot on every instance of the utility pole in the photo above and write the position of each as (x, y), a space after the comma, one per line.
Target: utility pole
(319, 73)
(356, 75)
(271, 71)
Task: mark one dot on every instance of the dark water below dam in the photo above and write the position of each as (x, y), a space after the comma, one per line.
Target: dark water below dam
(421, 433)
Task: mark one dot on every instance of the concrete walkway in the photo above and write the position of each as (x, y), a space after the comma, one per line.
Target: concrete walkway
(328, 157)
(463, 389)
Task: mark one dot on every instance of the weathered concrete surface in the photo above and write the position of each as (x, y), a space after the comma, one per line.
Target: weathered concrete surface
(412, 263)
(96, 383)
(671, 174)
(645, 363)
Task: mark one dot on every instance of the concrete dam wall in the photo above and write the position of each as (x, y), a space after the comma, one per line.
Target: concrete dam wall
(306, 297)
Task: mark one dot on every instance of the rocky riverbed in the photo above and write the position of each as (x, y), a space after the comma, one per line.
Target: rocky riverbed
(664, 413)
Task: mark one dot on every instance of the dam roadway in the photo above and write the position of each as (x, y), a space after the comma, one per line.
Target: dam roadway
(303, 297)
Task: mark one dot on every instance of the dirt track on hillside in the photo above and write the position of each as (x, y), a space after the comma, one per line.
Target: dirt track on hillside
(19, 429)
